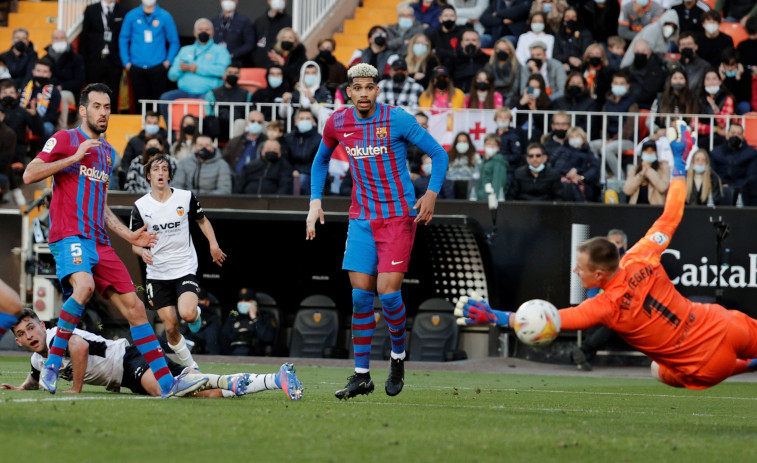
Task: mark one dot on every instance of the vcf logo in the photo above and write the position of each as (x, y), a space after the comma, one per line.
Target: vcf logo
(317, 317)
(435, 319)
(180, 211)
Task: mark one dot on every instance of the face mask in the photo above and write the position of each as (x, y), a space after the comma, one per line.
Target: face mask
(420, 49)
(9, 102)
(640, 60)
(734, 142)
(278, 5)
(599, 2)
(152, 151)
(619, 90)
(482, 86)
(244, 307)
(448, 24)
(571, 24)
(275, 82)
(311, 80)
(731, 73)
(304, 126)
(4, 74)
(228, 5)
(712, 89)
(462, 147)
(687, 53)
(575, 91)
(595, 61)
(648, 157)
(254, 128)
(151, 129)
(667, 31)
(148, 3)
(232, 80)
(189, 129)
(205, 154)
(699, 168)
(502, 55)
(59, 47)
(711, 28)
(470, 49)
(287, 45)
(326, 55)
(426, 168)
(502, 125)
(442, 84)
(642, 3)
(203, 37)
(42, 80)
(560, 133)
(537, 93)
(537, 62)
(379, 40)
(399, 78)
(20, 47)
(490, 151)
(405, 23)
(537, 27)
(271, 156)
(546, 7)
(678, 87)
(536, 169)
(576, 142)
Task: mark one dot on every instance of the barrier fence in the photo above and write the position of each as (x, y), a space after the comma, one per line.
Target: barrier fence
(308, 14)
(71, 15)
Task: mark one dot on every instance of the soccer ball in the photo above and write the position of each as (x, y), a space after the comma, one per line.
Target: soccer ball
(537, 322)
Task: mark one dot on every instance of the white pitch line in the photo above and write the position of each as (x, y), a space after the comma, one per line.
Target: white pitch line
(70, 398)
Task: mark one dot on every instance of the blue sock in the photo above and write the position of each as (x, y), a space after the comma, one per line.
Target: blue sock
(363, 327)
(394, 314)
(752, 364)
(6, 322)
(70, 314)
(149, 347)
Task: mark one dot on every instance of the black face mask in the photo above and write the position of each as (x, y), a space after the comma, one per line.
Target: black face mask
(271, 156)
(640, 60)
(448, 24)
(287, 45)
(678, 87)
(560, 133)
(20, 47)
(326, 56)
(502, 55)
(482, 86)
(9, 102)
(537, 62)
(203, 37)
(595, 61)
(442, 84)
(575, 91)
(379, 40)
(205, 154)
(687, 53)
(232, 80)
(42, 80)
(571, 25)
(399, 78)
(470, 49)
(734, 142)
(189, 130)
(152, 151)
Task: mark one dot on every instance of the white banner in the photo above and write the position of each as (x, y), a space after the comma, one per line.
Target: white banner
(445, 126)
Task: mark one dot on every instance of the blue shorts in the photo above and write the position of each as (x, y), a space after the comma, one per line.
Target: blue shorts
(379, 245)
(78, 254)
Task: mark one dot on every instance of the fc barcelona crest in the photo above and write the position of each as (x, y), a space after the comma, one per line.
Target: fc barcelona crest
(77, 260)
(381, 132)
(317, 317)
(180, 211)
(435, 319)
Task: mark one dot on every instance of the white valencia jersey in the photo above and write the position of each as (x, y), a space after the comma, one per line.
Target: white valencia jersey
(105, 362)
(174, 255)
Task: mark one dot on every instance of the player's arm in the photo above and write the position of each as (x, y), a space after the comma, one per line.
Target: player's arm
(140, 237)
(78, 349)
(30, 384)
(39, 169)
(318, 174)
(135, 223)
(215, 250)
(10, 303)
(473, 311)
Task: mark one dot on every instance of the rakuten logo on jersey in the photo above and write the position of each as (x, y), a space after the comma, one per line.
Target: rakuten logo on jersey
(366, 151)
(94, 174)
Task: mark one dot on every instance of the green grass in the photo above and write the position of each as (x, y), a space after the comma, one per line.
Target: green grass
(440, 416)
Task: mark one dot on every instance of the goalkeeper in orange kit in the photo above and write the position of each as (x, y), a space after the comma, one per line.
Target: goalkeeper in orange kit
(691, 345)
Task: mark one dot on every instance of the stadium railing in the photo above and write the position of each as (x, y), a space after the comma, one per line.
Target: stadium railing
(643, 122)
(70, 16)
(308, 14)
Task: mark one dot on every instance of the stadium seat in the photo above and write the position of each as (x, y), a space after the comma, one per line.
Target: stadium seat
(184, 106)
(268, 304)
(316, 329)
(252, 79)
(750, 129)
(737, 33)
(435, 333)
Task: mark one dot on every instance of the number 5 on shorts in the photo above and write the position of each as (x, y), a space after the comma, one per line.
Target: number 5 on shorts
(76, 250)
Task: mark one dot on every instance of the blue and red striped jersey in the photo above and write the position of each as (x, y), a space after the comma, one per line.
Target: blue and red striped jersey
(377, 150)
(78, 204)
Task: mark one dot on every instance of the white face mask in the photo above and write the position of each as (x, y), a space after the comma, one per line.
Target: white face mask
(502, 125)
(59, 47)
(619, 90)
(254, 128)
(711, 28)
(576, 142)
(148, 3)
(462, 147)
(304, 125)
(648, 157)
(228, 5)
(699, 168)
(490, 151)
(536, 169)
(278, 4)
(712, 89)
(537, 27)
(244, 307)
(667, 31)
(420, 49)
(537, 93)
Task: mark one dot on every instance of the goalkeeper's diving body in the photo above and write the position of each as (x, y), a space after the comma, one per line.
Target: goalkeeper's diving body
(691, 344)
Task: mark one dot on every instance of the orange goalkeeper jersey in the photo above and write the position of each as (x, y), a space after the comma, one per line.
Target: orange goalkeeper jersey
(641, 304)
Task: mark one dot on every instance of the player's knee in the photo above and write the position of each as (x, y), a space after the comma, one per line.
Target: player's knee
(172, 329)
(83, 291)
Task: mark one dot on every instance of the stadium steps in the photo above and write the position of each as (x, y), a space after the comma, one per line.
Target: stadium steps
(355, 31)
(40, 18)
(121, 128)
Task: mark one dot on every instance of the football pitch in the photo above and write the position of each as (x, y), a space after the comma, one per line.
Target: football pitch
(441, 416)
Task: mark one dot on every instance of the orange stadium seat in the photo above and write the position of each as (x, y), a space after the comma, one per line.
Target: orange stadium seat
(750, 129)
(252, 79)
(737, 33)
(194, 106)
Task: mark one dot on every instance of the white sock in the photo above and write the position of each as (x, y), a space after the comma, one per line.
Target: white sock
(227, 393)
(361, 370)
(399, 356)
(182, 351)
(261, 383)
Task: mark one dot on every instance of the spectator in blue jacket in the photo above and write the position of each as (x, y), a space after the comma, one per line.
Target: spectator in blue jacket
(427, 12)
(148, 43)
(579, 167)
(198, 68)
(235, 32)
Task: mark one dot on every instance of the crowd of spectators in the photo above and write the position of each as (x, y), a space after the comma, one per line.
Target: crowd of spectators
(667, 57)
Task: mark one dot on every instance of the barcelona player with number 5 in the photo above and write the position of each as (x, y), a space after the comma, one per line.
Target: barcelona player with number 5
(81, 164)
(383, 215)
